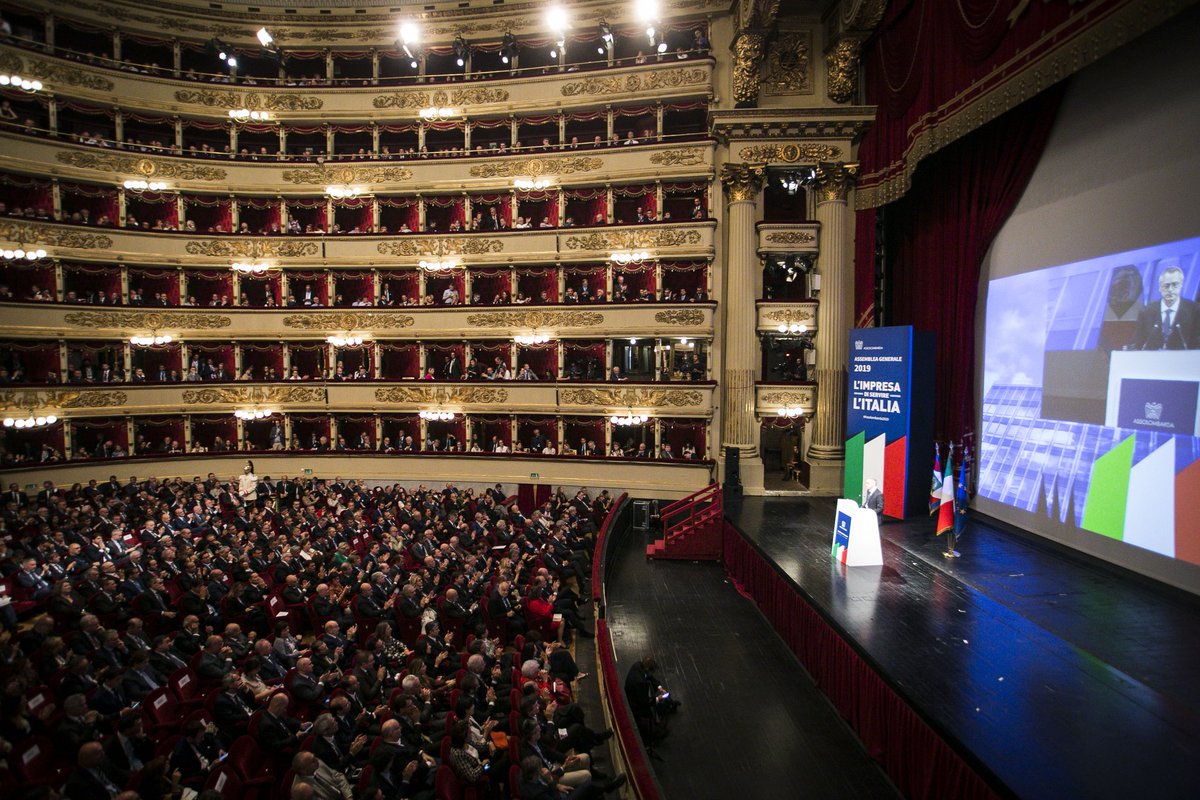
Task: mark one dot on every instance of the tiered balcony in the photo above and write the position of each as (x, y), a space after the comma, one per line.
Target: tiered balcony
(786, 317)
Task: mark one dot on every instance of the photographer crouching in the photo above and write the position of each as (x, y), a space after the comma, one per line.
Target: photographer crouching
(649, 701)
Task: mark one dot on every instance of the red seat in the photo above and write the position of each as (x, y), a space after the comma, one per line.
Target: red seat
(446, 783)
(364, 778)
(33, 761)
(162, 710)
(186, 686)
(444, 753)
(514, 781)
(250, 762)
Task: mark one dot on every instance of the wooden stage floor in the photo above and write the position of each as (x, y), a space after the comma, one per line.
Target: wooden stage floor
(1062, 678)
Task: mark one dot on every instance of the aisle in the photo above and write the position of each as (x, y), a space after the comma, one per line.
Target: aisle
(752, 724)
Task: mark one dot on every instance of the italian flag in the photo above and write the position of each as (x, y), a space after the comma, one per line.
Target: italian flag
(945, 518)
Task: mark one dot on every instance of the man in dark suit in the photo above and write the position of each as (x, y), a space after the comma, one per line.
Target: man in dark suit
(141, 679)
(194, 754)
(277, 731)
(91, 778)
(872, 497)
(215, 660)
(232, 708)
(452, 370)
(1172, 323)
(130, 749)
(109, 700)
(32, 580)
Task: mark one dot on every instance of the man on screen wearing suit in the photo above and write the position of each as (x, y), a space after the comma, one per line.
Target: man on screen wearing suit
(872, 497)
(1172, 323)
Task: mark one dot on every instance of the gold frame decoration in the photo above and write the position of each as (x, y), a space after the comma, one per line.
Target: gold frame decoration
(536, 319)
(148, 320)
(349, 321)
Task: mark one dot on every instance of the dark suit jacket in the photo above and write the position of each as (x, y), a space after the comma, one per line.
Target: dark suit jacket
(230, 716)
(1184, 333)
(83, 785)
(277, 734)
(305, 688)
(874, 501)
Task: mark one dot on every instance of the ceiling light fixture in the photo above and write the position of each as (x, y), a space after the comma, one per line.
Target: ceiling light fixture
(436, 416)
(30, 421)
(345, 340)
(139, 185)
(151, 341)
(438, 266)
(21, 254)
(629, 257)
(629, 419)
(250, 414)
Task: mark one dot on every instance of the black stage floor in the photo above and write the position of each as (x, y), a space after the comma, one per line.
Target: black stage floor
(753, 724)
(1063, 678)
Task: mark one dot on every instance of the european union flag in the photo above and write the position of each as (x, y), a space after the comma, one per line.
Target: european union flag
(961, 499)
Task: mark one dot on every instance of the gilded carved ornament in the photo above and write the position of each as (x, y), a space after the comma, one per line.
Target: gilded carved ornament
(841, 67)
(327, 175)
(217, 248)
(60, 398)
(148, 320)
(619, 240)
(348, 321)
(441, 395)
(642, 82)
(146, 167)
(680, 316)
(790, 237)
(51, 72)
(475, 95)
(748, 52)
(536, 319)
(833, 181)
(632, 398)
(54, 236)
(447, 246)
(687, 157)
(254, 394)
(788, 69)
(255, 101)
(795, 397)
(742, 181)
(789, 153)
(565, 165)
(791, 316)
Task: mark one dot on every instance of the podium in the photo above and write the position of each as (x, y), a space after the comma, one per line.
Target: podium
(856, 536)
(1156, 390)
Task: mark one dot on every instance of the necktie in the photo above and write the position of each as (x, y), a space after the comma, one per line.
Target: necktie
(1166, 326)
(153, 684)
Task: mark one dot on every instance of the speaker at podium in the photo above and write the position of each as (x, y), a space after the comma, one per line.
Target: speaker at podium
(856, 536)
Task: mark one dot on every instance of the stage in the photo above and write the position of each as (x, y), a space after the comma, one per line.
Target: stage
(1050, 675)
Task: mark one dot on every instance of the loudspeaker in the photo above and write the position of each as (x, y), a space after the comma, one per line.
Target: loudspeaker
(733, 472)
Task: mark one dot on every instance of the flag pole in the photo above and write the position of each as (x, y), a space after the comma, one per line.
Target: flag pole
(951, 538)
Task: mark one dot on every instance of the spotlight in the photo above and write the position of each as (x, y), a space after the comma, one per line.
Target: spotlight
(606, 35)
(231, 61)
(508, 48)
(553, 53)
(410, 34)
(462, 50)
(264, 38)
(662, 47)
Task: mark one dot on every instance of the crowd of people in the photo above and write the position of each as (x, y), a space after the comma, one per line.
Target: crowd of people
(313, 638)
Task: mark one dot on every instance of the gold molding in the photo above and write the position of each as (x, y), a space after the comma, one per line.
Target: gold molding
(795, 397)
(748, 51)
(627, 239)
(39, 233)
(642, 82)
(788, 68)
(790, 237)
(680, 316)
(442, 395)
(217, 248)
(60, 398)
(555, 165)
(255, 101)
(687, 157)
(147, 167)
(473, 95)
(326, 175)
(742, 181)
(51, 72)
(789, 153)
(536, 319)
(834, 181)
(791, 316)
(460, 245)
(255, 395)
(632, 398)
(349, 320)
(148, 320)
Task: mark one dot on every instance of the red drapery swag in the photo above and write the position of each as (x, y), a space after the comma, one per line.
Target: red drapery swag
(939, 234)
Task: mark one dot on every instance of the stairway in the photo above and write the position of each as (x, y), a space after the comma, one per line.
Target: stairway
(692, 527)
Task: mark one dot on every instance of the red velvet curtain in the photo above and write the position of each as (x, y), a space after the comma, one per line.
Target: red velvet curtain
(939, 233)
(919, 762)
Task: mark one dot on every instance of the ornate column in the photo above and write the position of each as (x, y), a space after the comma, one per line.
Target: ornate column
(739, 427)
(826, 452)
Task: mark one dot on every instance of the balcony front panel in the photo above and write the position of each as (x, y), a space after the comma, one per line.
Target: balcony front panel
(648, 478)
(396, 398)
(83, 243)
(774, 313)
(541, 94)
(771, 398)
(792, 238)
(693, 320)
(47, 157)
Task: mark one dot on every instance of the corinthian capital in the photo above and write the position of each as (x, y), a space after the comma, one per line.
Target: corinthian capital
(834, 180)
(742, 181)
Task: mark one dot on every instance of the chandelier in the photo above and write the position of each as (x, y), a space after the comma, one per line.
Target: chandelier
(150, 341)
(243, 114)
(792, 327)
(435, 114)
(629, 257)
(532, 338)
(250, 267)
(790, 412)
(30, 421)
(343, 192)
(532, 184)
(21, 254)
(140, 185)
(249, 414)
(345, 340)
(436, 416)
(24, 84)
(629, 419)
(437, 266)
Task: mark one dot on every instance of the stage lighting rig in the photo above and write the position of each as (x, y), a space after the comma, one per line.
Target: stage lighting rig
(508, 49)
(410, 37)
(558, 23)
(606, 36)
(462, 50)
